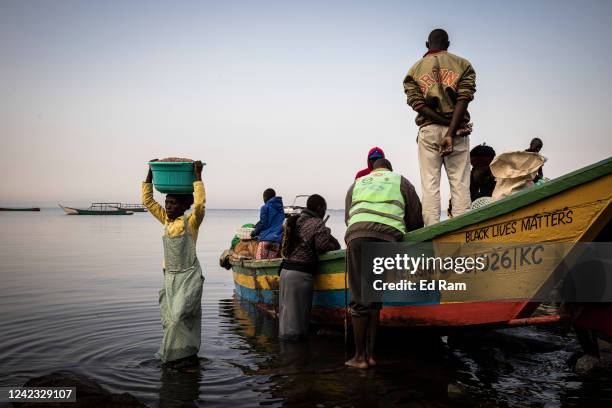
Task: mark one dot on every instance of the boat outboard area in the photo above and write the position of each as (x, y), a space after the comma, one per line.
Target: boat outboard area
(297, 206)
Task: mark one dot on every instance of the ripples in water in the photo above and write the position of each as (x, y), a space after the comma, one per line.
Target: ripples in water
(81, 294)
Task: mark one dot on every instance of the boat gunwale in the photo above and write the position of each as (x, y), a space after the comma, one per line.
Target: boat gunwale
(514, 201)
(275, 262)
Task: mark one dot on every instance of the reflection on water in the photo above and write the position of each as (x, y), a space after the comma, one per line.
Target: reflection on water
(80, 293)
(512, 367)
(179, 388)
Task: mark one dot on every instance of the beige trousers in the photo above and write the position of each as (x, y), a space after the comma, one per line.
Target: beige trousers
(456, 164)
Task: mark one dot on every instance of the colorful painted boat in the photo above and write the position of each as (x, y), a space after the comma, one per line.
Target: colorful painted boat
(97, 209)
(570, 209)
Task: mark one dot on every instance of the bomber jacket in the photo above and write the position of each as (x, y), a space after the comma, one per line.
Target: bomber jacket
(439, 80)
(413, 217)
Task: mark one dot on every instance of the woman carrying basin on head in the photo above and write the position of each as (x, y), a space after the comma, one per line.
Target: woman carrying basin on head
(180, 298)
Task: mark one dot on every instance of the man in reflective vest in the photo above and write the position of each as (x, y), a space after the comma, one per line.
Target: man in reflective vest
(380, 207)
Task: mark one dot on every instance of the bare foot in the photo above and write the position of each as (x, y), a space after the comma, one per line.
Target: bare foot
(353, 362)
(371, 362)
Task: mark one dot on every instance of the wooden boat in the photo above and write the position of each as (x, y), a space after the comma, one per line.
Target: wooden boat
(132, 207)
(570, 209)
(19, 209)
(97, 209)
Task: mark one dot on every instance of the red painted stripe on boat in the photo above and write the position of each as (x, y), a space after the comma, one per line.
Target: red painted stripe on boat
(441, 315)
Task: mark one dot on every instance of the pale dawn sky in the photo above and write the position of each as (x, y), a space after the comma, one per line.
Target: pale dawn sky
(282, 94)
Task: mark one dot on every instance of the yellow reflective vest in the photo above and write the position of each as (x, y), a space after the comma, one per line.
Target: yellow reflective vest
(377, 198)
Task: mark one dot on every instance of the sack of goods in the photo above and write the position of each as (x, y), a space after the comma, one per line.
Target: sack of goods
(514, 171)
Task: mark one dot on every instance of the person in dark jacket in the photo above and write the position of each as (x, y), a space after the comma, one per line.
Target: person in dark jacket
(535, 146)
(482, 182)
(374, 154)
(269, 228)
(306, 236)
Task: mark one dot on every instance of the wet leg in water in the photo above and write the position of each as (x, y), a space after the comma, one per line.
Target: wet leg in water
(371, 340)
(360, 327)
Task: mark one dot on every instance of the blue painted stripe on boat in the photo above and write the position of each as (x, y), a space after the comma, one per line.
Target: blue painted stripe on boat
(335, 298)
(256, 296)
(329, 298)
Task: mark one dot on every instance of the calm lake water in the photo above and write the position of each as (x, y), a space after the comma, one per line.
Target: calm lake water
(80, 293)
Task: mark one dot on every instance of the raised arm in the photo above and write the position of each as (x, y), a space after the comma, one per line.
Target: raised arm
(148, 201)
(199, 197)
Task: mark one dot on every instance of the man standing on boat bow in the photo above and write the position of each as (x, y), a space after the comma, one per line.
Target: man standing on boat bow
(379, 207)
(439, 87)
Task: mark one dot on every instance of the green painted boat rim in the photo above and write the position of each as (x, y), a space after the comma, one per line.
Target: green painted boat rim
(514, 201)
(275, 263)
(497, 208)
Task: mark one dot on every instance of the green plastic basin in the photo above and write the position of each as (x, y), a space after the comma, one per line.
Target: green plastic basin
(173, 177)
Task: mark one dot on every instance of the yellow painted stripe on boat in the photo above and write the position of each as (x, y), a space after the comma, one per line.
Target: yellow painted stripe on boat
(583, 204)
(266, 282)
(578, 208)
(329, 281)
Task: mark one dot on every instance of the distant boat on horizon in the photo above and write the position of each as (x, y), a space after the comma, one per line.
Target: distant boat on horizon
(97, 209)
(19, 208)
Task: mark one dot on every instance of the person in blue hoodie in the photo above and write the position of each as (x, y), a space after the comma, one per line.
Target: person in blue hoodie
(269, 228)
